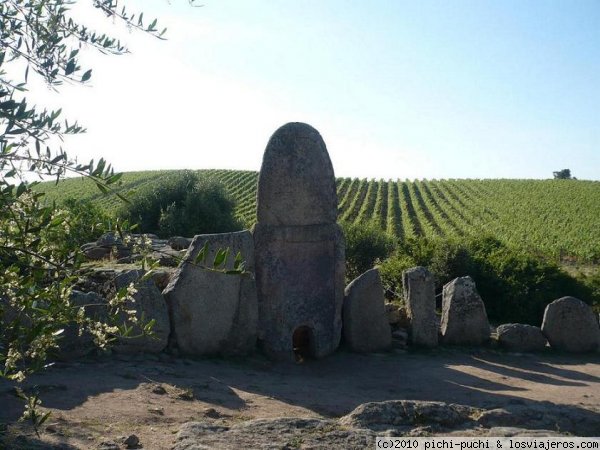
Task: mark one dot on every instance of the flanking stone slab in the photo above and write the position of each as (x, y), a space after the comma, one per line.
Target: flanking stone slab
(464, 319)
(519, 337)
(366, 326)
(299, 247)
(213, 312)
(419, 296)
(571, 326)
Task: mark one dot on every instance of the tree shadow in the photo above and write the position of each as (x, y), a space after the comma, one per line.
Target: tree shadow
(333, 386)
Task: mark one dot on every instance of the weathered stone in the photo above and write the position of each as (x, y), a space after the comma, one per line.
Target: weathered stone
(87, 246)
(299, 247)
(366, 328)
(213, 312)
(296, 185)
(71, 344)
(399, 338)
(95, 253)
(131, 441)
(393, 313)
(404, 321)
(519, 337)
(394, 413)
(161, 278)
(464, 320)
(167, 257)
(109, 239)
(419, 296)
(179, 242)
(570, 325)
(108, 445)
(521, 432)
(149, 304)
(278, 433)
(543, 415)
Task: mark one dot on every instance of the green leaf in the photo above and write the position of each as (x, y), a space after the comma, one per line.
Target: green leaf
(86, 76)
(21, 189)
(70, 68)
(201, 256)
(220, 258)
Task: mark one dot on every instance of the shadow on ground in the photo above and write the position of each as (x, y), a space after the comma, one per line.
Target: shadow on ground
(333, 386)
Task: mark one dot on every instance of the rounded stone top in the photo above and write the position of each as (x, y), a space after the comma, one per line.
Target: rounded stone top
(296, 185)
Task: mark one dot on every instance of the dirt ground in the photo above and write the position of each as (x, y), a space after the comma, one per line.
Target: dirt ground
(105, 399)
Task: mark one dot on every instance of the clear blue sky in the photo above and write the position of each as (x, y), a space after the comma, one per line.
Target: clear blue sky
(421, 89)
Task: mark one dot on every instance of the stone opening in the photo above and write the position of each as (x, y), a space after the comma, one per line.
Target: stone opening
(303, 344)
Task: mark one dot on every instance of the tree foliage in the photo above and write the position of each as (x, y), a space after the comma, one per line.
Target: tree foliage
(38, 258)
(181, 204)
(564, 174)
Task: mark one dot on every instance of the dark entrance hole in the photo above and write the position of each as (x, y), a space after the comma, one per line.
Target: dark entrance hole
(303, 344)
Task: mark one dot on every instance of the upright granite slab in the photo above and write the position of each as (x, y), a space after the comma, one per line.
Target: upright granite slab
(299, 248)
(464, 319)
(366, 326)
(419, 295)
(213, 312)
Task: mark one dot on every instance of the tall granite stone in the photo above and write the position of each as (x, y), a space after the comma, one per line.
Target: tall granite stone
(419, 296)
(299, 248)
(213, 312)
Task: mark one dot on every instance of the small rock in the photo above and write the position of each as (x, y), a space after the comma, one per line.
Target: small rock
(108, 445)
(212, 413)
(132, 441)
(179, 243)
(393, 313)
(520, 337)
(161, 278)
(159, 390)
(400, 335)
(51, 428)
(186, 394)
(156, 410)
(109, 239)
(96, 253)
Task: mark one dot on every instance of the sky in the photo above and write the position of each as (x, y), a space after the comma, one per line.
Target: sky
(397, 89)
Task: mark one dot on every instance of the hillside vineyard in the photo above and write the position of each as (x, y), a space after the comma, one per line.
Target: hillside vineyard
(558, 218)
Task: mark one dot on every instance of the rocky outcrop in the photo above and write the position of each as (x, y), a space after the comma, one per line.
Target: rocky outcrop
(359, 428)
(283, 433)
(125, 249)
(464, 319)
(518, 337)
(570, 325)
(366, 326)
(442, 417)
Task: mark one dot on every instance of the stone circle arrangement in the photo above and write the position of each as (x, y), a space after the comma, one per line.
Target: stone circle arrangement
(291, 303)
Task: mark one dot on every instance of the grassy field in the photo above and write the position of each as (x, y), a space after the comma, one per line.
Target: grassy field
(556, 218)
